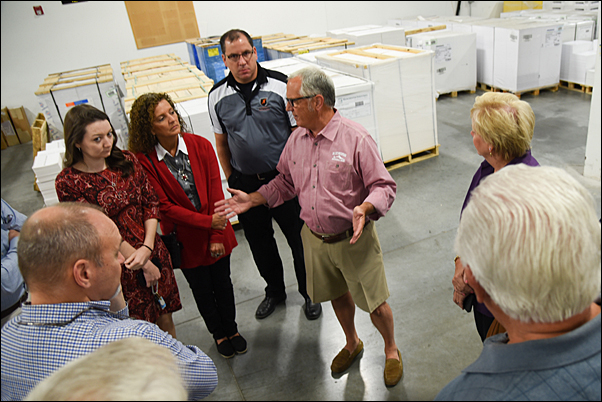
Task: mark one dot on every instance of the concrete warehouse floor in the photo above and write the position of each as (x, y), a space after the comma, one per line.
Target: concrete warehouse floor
(289, 357)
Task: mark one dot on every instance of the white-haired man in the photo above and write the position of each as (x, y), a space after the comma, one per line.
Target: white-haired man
(69, 257)
(531, 245)
(333, 166)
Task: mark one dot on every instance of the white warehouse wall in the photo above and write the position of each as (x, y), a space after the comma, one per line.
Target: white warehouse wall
(80, 35)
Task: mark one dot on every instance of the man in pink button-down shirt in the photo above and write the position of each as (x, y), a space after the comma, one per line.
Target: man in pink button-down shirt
(333, 166)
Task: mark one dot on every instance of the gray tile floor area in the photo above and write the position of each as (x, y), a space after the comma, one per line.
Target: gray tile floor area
(289, 357)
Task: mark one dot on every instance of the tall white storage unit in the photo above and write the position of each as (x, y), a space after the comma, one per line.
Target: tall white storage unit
(404, 94)
(455, 58)
(527, 55)
(361, 36)
(354, 96)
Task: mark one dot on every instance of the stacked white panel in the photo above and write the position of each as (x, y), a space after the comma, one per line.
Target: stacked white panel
(46, 166)
(404, 94)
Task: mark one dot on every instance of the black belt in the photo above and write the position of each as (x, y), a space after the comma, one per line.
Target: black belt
(335, 238)
(9, 311)
(267, 176)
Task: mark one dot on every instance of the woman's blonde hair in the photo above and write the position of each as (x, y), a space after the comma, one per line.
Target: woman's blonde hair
(504, 122)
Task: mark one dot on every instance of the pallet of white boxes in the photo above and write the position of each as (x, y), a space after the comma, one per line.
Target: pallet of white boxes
(404, 97)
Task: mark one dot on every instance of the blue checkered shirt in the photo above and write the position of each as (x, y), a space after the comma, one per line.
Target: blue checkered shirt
(42, 339)
(564, 368)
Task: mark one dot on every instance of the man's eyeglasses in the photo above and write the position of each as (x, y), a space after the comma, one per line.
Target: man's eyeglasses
(236, 56)
(292, 101)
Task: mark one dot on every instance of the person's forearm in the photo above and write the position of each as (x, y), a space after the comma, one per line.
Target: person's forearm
(150, 231)
(257, 199)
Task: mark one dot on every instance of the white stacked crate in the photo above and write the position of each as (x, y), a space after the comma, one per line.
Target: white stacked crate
(361, 36)
(527, 55)
(404, 94)
(578, 57)
(46, 166)
(455, 58)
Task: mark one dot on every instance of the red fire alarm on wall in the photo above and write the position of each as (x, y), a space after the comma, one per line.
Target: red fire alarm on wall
(38, 10)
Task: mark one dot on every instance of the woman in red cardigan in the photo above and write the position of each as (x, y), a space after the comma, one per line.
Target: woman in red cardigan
(184, 171)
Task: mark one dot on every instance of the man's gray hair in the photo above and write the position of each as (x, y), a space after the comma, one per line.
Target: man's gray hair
(315, 82)
(531, 237)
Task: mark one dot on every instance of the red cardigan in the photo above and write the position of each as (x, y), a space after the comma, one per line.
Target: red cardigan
(193, 227)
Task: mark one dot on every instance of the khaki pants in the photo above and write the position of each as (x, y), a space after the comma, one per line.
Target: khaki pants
(335, 268)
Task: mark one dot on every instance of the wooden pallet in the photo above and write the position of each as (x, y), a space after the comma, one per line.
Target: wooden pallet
(534, 91)
(573, 86)
(412, 158)
(454, 94)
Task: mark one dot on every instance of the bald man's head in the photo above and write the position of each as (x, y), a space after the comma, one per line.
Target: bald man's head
(53, 238)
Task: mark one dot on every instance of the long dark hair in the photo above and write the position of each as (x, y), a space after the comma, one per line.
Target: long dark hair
(77, 120)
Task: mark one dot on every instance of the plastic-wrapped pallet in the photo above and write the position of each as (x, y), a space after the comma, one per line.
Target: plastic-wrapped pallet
(404, 94)
(388, 35)
(577, 58)
(527, 55)
(94, 86)
(455, 58)
(46, 166)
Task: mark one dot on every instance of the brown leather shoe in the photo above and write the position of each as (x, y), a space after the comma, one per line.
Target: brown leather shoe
(393, 371)
(344, 359)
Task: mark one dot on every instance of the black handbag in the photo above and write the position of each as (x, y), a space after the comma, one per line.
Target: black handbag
(174, 246)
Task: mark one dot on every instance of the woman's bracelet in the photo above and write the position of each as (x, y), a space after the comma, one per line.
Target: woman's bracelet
(144, 245)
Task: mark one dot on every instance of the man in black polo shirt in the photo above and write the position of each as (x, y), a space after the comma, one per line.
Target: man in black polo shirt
(251, 125)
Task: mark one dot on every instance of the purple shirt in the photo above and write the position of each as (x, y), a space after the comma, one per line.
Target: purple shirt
(485, 170)
(331, 174)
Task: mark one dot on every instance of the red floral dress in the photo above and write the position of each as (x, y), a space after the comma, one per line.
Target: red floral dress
(128, 202)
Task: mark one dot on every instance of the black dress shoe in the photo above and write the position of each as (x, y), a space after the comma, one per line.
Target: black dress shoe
(225, 349)
(312, 310)
(239, 344)
(268, 305)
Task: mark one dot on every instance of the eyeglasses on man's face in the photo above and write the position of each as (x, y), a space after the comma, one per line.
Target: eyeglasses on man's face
(291, 101)
(236, 56)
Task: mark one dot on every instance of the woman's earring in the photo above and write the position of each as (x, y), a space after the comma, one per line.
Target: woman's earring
(490, 149)
(79, 149)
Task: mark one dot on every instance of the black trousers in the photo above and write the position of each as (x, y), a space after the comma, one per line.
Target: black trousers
(214, 295)
(259, 232)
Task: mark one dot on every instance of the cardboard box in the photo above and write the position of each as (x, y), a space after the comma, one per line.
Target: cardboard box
(21, 124)
(577, 58)
(8, 131)
(404, 94)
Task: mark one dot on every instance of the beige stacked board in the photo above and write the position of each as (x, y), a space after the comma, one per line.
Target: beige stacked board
(165, 73)
(289, 47)
(94, 86)
(404, 95)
